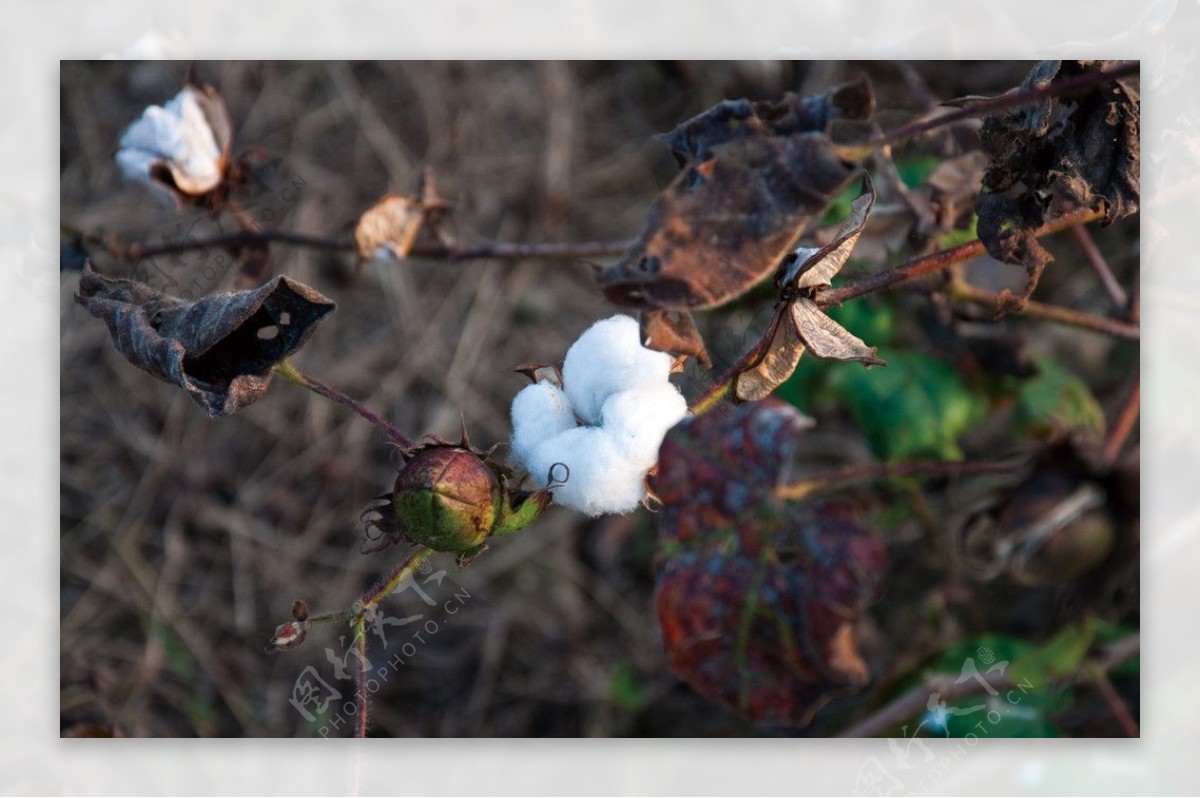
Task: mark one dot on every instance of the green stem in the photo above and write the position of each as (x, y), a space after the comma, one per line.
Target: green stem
(802, 489)
(389, 583)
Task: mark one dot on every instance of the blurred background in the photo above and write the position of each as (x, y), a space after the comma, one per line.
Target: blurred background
(185, 540)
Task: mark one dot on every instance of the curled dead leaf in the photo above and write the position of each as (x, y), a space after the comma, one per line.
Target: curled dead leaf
(220, 348)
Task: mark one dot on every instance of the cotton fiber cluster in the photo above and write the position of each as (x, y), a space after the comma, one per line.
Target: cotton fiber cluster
(594, 439)
(177, 135)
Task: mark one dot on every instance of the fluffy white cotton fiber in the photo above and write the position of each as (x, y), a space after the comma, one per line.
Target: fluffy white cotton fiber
(594, 440)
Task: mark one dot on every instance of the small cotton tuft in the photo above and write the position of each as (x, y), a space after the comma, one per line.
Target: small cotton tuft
(608, 358)
(539, 412)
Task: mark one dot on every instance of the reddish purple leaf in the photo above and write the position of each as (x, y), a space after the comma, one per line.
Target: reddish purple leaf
(757, 599)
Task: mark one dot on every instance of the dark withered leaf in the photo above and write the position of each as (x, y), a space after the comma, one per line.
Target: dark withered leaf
(755, 176)
(730, 120)
(674, 332)
(724, 224)
(1062, 153)
(757, 599)
(220, 348)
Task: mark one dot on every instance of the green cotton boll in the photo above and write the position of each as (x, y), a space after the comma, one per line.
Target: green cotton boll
(447, 498)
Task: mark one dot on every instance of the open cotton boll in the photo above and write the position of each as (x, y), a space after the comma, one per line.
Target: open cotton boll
(597, 478)
(539, 412)
(639, 418)
(608, 358)
(177, 134)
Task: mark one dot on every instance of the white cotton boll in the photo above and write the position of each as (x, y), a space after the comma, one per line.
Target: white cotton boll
(607, 358)
(596, 479)
(639, 418)
(177, 134)
(539, 412)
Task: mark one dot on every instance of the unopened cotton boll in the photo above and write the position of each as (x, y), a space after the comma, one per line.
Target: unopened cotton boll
(609, 358)
(177, 135)
(639, 418)
(539, 412)
(595, 477)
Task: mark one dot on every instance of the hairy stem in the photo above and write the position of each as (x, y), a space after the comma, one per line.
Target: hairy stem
(289, 372)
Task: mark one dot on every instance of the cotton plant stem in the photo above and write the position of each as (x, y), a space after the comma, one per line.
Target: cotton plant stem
(289, 372)
(938, 261)
(1086, 321)
(494, 250)
(724, 384)
(1126, 419)
(361, 698)
(1012, 99)
(1096, 259)
(389, 583)
(804, 488)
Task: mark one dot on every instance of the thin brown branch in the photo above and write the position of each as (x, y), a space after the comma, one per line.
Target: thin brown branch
(1013, 99)
(1096, 259)
(723, 384)
(1126, 419)
(1115, 703)
(908, 705)
(1056, 313)
(937, 261)
(494, 250)
(834, 480)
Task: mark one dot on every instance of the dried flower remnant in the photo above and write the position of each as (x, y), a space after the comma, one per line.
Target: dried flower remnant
(798, 324)
(181, 148)
(592, 441)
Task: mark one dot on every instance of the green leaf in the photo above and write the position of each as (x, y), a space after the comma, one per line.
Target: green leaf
(915, 408)
(627, 691)
(1057, 658)
(1056, 402)
(914, 171)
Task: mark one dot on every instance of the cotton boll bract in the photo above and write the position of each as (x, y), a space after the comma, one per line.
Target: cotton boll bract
(638, 419)
(608, 358)
(539, 412)
(596, 479)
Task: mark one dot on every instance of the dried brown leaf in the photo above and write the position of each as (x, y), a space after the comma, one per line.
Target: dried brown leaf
(674, 332)
(220, 348)
(389, 227)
